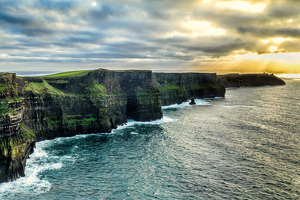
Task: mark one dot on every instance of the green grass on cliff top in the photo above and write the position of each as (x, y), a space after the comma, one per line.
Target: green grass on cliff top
(44, 87)
(69, 74)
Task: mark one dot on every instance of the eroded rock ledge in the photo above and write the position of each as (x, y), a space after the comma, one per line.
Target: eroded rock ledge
(82, 102)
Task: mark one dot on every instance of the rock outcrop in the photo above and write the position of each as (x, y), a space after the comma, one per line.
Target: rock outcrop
(249, 80)
(82, 102)
(179, 87)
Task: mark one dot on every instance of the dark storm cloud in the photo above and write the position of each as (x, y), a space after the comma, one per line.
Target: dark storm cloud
(97, 31)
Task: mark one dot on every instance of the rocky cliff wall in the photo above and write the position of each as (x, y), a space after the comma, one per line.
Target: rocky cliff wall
(94, 102)
(249, 80)
(38, 108)
(66, 104)
(16, 139)
(179, 87)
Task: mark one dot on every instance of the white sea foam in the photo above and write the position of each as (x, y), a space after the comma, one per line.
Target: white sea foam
(131, 123)
(32, 183)
(59, 139)
(199, 102)
(165, 119)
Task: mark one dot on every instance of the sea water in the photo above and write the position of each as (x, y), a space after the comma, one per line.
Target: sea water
(243, 146)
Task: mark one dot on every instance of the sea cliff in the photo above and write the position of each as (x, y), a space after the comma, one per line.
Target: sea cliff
(179, 87)
(249, 80)
(82, 102)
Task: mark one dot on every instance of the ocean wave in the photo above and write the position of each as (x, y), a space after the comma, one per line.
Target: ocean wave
(130, 123)
(32, 183)
(199, 102)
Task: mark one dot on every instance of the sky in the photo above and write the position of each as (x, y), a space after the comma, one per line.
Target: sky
(190, 35)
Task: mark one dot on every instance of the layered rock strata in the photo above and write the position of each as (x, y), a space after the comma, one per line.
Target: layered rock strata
(179, 87)
(71, 103)
(16, 140)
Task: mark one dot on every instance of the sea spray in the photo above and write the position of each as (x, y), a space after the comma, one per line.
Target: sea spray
(199, 102)
(32, 183)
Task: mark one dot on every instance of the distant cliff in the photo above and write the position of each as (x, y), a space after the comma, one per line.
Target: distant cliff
(179, 87)
(81, 102)
(245, 80)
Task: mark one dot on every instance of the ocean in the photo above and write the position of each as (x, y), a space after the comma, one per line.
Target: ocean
(243, 146)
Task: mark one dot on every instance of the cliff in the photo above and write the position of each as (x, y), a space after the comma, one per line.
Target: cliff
(246, 80)
(16, 140)
(82, 102)
(179, 87)
(89, 101)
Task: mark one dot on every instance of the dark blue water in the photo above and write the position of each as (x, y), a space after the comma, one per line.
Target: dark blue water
(244, 146)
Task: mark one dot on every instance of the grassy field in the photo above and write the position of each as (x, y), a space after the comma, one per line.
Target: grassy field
(69, 74)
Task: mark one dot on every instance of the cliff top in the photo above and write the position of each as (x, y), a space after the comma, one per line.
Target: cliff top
(71, 74)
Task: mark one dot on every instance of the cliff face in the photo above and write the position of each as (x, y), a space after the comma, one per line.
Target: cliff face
(177, 88)
(16, 140)
(245, 80)
(94, 102)
(71, 103)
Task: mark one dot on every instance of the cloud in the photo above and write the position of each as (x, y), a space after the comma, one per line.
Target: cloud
(270, 32)
(10, 19)
(56, 5)
(158, 32)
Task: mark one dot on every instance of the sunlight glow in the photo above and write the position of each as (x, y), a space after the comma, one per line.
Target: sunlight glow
(273, 49)
(280, 40)
(242, 5)
(206, 1)
(282, 57)
(201, 28)
(251, 63)
(94, 3)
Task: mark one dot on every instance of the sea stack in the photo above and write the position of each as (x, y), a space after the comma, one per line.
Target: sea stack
(192, 102)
